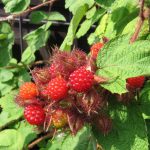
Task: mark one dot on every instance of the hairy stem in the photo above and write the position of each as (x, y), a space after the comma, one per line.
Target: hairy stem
(137, 31)
(139, 23)
(48, 135)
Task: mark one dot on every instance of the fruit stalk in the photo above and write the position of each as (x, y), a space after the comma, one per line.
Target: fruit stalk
(48, 135)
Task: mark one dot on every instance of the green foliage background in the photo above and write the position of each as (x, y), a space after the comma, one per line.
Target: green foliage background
(118, 60)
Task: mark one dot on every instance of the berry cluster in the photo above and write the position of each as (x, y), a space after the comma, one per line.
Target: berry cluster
(65, 93)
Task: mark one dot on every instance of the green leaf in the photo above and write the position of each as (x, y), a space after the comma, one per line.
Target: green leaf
(113, 4)
(27, 132)
(119, 18)
(5, 75)
(145, 99)
(7, 86)
(15, 6)
(66, 45)
(148, 130)
(144, 33)
(86, 25)
(24, 76)
(28, 56)
(10, 111)
(38, 38)
(106, 3)
(121, 3)
(37, 16)
(100, 30)
(18, 137)
(54, 15)
(84, 139)
(123, 13)
(3, 36)
(10, 139)
(35, 40)
(13, 61)
(6, 43)
(91, 13)
(119, 60)
(119, 14)
(129, 27)
(147, 2)
(74, 5)
(129, 130)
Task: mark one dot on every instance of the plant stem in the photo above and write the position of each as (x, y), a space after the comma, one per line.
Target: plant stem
(137, 31)
(139, 23)
(48, 135)
(11, 17)
(25, 66)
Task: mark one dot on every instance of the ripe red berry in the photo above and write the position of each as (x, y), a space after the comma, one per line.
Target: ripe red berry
(81, 80)
(57, 89)
(136, 82)
(34, 114)
(95, 49)
(59, 118)
(28, 91)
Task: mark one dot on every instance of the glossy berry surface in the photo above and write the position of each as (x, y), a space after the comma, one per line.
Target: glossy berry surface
(136, 82)
(59, 118)
(95, 49)
(81, 80)
(28, 90)
(34, 114)
(57, 89)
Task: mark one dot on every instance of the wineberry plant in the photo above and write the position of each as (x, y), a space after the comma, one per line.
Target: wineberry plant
(77, 99)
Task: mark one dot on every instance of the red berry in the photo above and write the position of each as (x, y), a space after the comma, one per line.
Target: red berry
(34, 114)
(59, 118)
(81, 80)
(28, 91)
(57, 89)
(95, 49)
(136, 82)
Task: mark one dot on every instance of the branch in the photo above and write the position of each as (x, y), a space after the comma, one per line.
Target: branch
(139, 23)
(137, 31)
(11, 17)
(40, 62)
(48, 135)
(141, 9)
